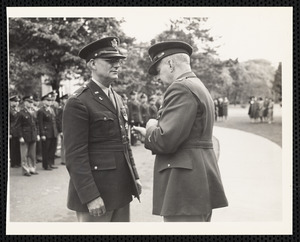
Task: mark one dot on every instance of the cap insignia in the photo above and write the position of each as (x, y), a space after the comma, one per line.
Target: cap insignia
(114, 43)
(158, 56)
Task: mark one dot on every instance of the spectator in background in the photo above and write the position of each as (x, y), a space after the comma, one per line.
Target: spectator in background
(216, 105)
(134, 117)
(59, 116)
(36, 106)
(220, 108)
(152, 108)
(265, 109)
(144, 108)
(225, 108)
(28, 135)
(250, 110)
(14, 143)
(48, 132)
(260, 108)
(270, 111)
(255, 110)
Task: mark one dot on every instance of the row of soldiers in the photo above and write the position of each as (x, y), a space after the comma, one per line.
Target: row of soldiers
(34, 128)
(140, 110)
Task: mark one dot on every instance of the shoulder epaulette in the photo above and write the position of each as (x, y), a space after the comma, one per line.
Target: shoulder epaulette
(79, 91)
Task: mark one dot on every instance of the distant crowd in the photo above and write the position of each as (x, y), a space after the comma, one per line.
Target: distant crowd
(221, 108)
(261, 109)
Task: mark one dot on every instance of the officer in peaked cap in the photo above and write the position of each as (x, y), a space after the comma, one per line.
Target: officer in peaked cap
(103, 176)
(14, 144)
(161, 50)
(182, 140)
(105, 48)
(28, 99)
(28, 135)
(48, 131)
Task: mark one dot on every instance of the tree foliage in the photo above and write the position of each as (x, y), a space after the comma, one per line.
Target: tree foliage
(49, 47)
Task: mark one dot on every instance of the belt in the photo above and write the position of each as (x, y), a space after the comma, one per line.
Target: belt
(204, 144)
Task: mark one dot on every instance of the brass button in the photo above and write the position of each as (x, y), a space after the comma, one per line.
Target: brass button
(169, 165)
(96, 167)
(105, 118)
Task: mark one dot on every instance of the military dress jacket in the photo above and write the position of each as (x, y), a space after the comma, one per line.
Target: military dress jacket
(27, 126)
(47, 122)
(98, 156)
(13, 122)
(187, 180)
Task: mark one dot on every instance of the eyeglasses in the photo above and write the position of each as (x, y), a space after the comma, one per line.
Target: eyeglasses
(114, 61)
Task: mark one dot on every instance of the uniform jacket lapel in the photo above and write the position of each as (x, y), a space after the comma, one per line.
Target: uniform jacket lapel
(101, 97)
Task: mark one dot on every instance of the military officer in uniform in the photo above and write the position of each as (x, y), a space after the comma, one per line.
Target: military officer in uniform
(48, 132)
(14, 144)
(187, 181)
(60, 110)
(28, 135)
(103, 175)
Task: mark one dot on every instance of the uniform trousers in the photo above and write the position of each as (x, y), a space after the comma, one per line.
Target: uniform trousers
(48, 151)
(188, 218)
(117, 215)
(62, 150)
(28, 156)
(14, 152)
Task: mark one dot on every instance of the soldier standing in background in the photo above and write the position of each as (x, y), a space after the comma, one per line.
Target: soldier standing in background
(14, 144)
(59, 116)
(152, 108)
(28, 134)
(134, 114)
(48, 132)
(144, 108)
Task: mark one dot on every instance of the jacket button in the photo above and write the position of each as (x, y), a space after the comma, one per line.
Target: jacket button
(169, 165)
(105, 118)
(96, 167)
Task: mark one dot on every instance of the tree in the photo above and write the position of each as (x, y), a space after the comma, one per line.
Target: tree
(277, 83)
(49, 46)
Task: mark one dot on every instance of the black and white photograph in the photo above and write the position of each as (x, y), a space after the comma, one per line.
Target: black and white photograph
(140, 117)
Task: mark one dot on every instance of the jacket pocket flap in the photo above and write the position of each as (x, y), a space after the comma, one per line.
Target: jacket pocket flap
(180, 160)
(102, 161)
(104, 115)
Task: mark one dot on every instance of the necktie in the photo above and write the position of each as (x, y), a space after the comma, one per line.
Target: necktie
(111, 97)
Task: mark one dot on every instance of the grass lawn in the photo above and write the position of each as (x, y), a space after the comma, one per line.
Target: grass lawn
(238, 119)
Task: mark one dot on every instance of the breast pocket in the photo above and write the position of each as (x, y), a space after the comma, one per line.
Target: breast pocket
(104, 124)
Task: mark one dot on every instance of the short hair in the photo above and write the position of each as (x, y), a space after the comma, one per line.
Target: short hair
(179, 58)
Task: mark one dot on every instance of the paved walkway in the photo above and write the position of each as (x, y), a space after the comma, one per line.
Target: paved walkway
(250, 166)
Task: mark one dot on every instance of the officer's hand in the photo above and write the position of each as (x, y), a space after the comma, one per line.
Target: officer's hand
(10, 136)
(96, 207)
(151, 122)
(38, 138)
(139, 186)
(43, 137)
(139, 130)
(22, 140)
